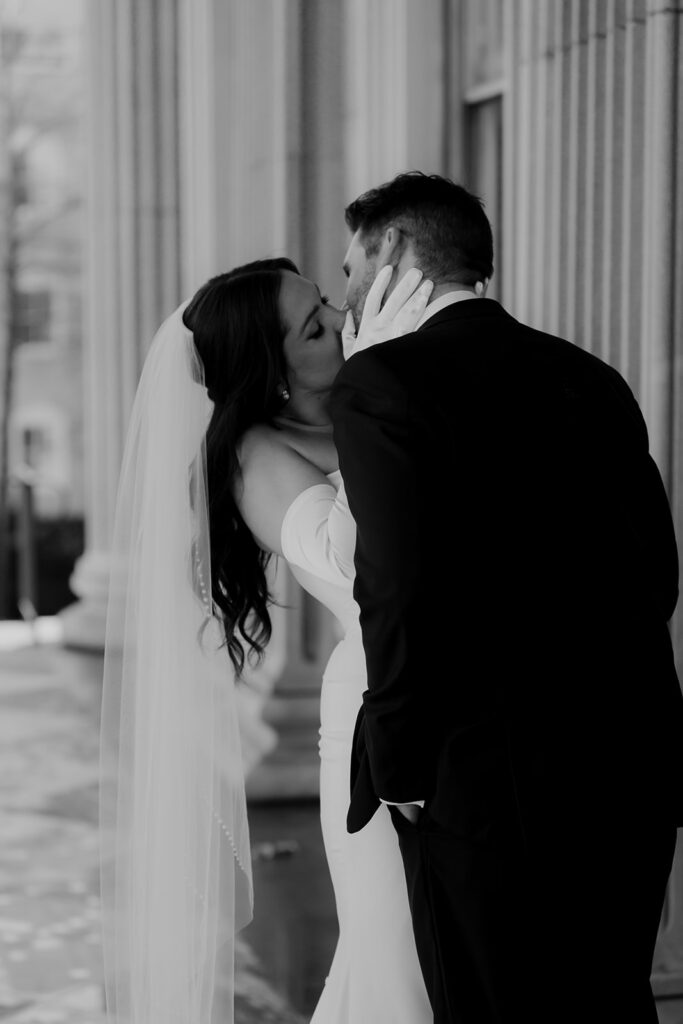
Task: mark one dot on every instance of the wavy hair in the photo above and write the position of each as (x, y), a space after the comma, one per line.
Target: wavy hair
(238, 333)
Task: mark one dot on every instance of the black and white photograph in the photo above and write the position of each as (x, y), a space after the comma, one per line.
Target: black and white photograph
(341, 502)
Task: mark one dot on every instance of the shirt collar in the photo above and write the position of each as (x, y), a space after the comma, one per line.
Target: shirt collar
(444, 300)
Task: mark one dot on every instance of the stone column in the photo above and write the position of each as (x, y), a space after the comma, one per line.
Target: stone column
(395, 64)
(589, 178)
(359, 113)
(190, 103)
(240, 197)
(310, 187)
(133, 255)
(195, 151)
(362, 104)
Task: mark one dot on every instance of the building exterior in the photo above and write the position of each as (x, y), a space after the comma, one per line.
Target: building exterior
(44, 101)
(224, 131)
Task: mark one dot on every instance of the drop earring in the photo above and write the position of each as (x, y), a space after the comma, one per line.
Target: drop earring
(284, 393)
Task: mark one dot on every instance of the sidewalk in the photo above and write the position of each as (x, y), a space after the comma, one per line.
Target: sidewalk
(50, 968)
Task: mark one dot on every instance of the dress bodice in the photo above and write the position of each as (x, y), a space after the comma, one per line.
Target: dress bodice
(318, 539)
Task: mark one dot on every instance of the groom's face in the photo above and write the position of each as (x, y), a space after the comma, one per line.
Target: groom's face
(360, 270)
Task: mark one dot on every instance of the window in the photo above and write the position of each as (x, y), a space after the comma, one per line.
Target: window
(479, 54)
(39, 440)
(20, 179)
(484, 171)
(37, 447)
(32, 316)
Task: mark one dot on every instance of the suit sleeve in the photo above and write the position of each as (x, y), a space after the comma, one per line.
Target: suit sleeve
(645, 502)
(377, 448)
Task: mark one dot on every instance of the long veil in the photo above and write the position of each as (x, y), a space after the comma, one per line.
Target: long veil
(175, 872)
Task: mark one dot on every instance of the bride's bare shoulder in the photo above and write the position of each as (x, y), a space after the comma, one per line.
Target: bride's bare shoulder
(260, 442)
(272, 476)
(267, 454)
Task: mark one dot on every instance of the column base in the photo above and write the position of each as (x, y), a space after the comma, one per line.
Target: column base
(83, 626)
(291, 771)
(84, 621)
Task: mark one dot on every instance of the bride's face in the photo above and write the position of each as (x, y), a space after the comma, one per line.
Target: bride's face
(312, 344)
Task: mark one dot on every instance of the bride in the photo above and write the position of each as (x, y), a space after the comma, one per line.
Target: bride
(229, 461)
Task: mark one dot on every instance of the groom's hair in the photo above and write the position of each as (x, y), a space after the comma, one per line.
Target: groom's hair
(446, 224)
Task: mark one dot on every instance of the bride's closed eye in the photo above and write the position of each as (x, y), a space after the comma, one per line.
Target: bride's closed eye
(318, 333)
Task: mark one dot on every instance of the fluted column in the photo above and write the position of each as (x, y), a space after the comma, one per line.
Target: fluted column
(241, 113)
(589, 177)
(309, 176)
(191, 105)
(395, 96)
(344, 135)
(133, 251)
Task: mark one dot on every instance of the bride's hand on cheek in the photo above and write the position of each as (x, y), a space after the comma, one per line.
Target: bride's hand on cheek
(400, 314)
(349, 335)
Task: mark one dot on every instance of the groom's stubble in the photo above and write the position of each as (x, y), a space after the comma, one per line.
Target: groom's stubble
(357, 299)
(366, 257)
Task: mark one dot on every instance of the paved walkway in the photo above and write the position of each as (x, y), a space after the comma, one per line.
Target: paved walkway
(50, 961)
(50, 968)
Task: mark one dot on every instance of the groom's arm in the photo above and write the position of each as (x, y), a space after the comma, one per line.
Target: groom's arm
(377, 454)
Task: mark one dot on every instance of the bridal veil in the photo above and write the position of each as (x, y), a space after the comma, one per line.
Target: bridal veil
(175, 863)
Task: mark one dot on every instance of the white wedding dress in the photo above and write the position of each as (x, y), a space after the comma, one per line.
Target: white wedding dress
(375, 976)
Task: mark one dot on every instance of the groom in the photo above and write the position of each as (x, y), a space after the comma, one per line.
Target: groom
(516, 569)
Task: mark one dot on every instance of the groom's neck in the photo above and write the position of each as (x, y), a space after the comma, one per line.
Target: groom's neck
(450, 286)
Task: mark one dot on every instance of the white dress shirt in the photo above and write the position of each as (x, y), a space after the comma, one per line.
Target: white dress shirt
(447, 299)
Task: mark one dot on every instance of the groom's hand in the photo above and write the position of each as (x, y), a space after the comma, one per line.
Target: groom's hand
(400, 314)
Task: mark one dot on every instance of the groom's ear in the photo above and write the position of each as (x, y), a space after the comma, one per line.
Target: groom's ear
(391, 247)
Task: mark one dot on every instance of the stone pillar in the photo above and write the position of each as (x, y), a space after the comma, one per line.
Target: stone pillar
(189, 108)
(291, 770)
(239, 73)
(242, 129)
(195, 150)
(361, 106)
(310, 179)
(395, 64)
(359, 113)
(133, 255)
(589, 178)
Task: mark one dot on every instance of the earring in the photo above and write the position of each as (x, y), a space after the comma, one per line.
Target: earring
(284, 393)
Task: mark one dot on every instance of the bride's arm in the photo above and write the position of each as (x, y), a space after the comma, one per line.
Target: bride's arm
(319, 534)
(293, 510)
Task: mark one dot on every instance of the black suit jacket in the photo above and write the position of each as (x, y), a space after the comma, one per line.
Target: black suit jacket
(516, 569)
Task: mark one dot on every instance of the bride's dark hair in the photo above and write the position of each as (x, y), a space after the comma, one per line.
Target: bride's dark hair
(238, 333)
